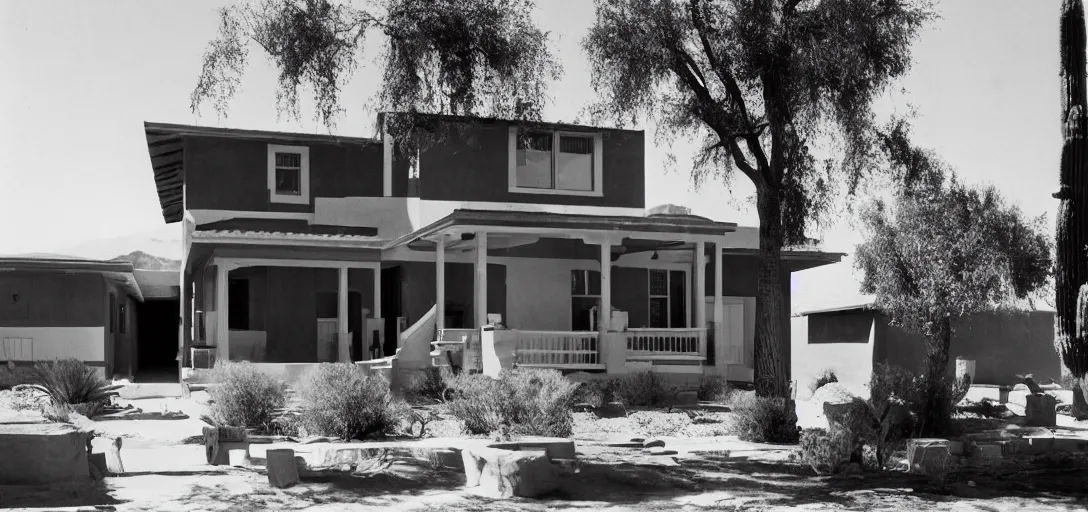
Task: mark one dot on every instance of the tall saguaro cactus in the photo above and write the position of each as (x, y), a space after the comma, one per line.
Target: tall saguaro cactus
(1071, 328)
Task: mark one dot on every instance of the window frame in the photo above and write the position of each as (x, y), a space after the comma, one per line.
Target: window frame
(304, 175)
(686, 281)
(598, 184)
(587, 274)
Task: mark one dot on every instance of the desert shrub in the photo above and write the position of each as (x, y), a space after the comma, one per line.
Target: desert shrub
(342, 400)
(529, 402)
(11, 375)
(825, 451)
(245, 397)
(62, 412)
(596, 392)
(825, 377)
(644, 389)
(714, 388)
(764, 419)
(430, 385)
(72, 386)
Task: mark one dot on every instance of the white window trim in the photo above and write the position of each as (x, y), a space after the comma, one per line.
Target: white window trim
(598, 188)
(304, 175)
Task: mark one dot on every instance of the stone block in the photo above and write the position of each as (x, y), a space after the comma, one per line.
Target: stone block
(611, 410)
(989, 451)
(503, 474)
(928, 456)
(37, 454)
(282, 468)
(1041, 411)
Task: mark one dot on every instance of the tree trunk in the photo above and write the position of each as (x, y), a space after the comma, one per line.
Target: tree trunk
(772, 376)
(938, 389)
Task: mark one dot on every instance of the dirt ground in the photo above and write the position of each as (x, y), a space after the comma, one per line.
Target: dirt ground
(709, 473)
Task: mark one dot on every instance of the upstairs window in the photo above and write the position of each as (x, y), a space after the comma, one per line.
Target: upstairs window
(289, 174)
(548, 162)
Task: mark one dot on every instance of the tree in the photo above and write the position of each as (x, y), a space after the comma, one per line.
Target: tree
(942, 251)
(462, 57)
(761, 82)
(1071, 275)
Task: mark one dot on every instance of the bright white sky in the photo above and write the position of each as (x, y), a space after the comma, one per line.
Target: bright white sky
(80, 78)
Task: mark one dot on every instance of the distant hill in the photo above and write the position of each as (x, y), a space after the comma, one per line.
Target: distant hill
(143, 261)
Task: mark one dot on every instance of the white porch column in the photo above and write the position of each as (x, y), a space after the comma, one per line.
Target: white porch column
(440, 283)
(700, 290)
(343, 338)
(604, 316)
(222, 311)
(719, 313)
(481, 279)
(378, 291)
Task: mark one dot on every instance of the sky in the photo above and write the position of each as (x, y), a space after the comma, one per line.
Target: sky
(80, 78)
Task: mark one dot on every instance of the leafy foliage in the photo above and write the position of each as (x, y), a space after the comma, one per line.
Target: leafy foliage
(343, 401)
(72, 386)
(463, 57)
(431, 385)
(644, 389)
(825, 451)
(245, 397)
(529, 402)
(760, 419)
(714, 388)
(762, 84)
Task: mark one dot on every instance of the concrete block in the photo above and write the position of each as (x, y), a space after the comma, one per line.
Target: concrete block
(553, 447)
(43, 453)
(503, 474)
(928, 456)
(989, 451)
(282, 469)
(1041, 410)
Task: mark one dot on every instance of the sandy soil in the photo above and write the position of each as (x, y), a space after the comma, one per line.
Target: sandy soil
(708, 473)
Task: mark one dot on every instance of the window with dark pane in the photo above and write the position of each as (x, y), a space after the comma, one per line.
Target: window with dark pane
(677, 300)
(659, 282)
(289, 174)
(659, 312)
(121, 317)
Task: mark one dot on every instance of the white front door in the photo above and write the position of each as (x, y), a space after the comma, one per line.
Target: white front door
(728, 337)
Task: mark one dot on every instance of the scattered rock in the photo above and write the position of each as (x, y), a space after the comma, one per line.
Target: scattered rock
(1041, 410)
(661, 450)
(611, 410)
(282, 469)
(653, 443)
(582, 407)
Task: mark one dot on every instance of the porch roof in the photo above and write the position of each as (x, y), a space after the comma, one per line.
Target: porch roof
(562, 224)
(115, 271)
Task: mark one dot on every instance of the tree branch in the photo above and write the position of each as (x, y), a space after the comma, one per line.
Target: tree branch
(721, 69)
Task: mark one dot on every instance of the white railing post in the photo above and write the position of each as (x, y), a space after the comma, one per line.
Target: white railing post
(440, 282)
(700, 288)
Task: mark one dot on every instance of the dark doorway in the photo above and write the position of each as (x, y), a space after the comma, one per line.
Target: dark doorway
(391, 307)
(157, 340)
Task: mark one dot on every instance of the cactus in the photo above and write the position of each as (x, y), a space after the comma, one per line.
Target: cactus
(1071, 320)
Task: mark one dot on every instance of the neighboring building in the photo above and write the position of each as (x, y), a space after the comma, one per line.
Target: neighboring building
(54, 307)
(307, 248)
(851, 340)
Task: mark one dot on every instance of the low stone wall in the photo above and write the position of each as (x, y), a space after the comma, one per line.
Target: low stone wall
(42, 453)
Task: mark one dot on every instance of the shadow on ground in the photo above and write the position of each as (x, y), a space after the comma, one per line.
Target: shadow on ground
(57, 496)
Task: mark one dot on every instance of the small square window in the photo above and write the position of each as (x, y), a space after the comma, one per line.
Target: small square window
(289, 174)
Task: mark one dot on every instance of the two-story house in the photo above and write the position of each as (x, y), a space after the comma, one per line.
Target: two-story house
(304, 248)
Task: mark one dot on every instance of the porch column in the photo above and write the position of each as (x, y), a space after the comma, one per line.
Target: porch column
(700, 288)
(481, 280)
(604, 316)
(343, 337)
(440, 283)
(186, 320)
(222, 312)
(719, 313)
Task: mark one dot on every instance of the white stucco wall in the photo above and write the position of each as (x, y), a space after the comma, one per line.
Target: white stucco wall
(538, 292)
(851, 362)
(83, 343)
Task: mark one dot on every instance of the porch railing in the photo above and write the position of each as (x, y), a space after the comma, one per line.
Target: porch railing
(558, 349)
(451, 338)
(665, 342)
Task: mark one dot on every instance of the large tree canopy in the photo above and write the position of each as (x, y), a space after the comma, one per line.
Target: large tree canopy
(761, 82)
(944, 250)
(464, 57)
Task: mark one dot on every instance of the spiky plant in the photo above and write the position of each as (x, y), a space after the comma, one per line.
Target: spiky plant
(68, 383)
(1071, 329)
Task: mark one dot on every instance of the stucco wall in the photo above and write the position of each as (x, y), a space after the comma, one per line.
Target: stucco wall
(232, 174)
(418, 289)
(850, 358)
(1002, 345)
(64, 314)
(474, 166)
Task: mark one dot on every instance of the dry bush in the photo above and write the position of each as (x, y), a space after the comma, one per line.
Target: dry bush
(644, 389)
(71, 386)
(341, 400)
(764, 419)
(825, 452)
(714, 388)
(825, 377)
(528, 402)
(245, 397)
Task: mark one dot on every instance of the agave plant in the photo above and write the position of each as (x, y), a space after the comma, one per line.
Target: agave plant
(69, 382)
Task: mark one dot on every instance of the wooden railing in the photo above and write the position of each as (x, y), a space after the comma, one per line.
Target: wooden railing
(665, 342)
(450, 339)
(558, 349)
